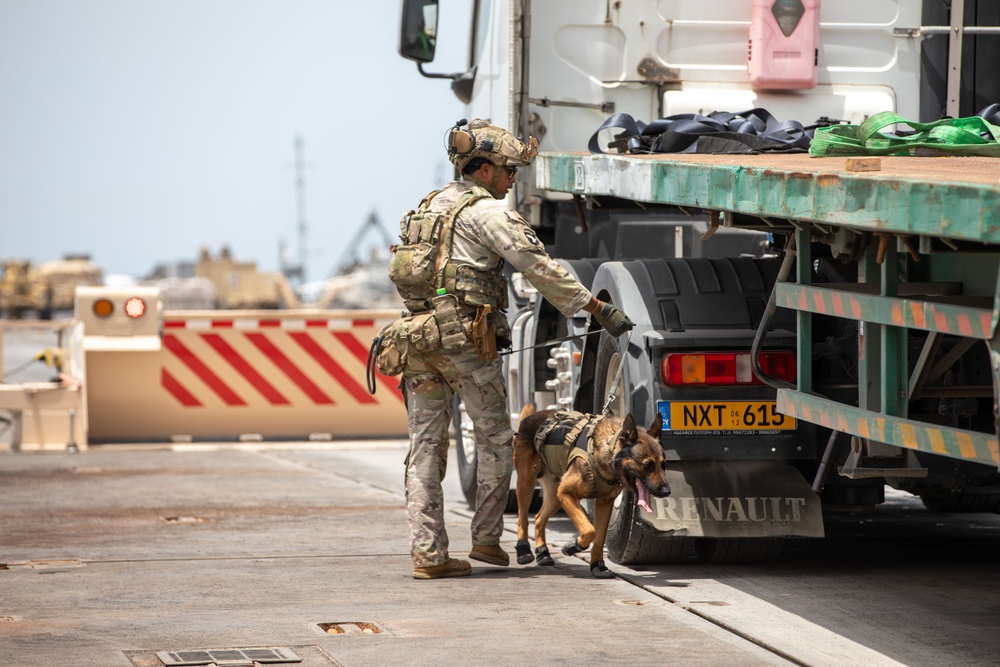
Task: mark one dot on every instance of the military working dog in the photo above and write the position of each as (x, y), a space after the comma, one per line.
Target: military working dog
(575, 456)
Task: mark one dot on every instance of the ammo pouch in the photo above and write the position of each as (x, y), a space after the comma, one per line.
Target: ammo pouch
(484, 333)
(449, 321)
(420, 332)
(439, 329)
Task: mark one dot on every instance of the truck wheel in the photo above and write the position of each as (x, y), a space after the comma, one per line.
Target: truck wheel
(609, 364)
(963, 501)
(738, 549)
(630, 539)
(633, 541)
(465, 450)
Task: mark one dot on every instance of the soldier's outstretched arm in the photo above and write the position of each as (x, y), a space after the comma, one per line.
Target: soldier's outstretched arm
(507, 234)
(513, 239)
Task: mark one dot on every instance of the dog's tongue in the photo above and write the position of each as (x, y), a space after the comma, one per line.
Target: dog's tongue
(643, 496)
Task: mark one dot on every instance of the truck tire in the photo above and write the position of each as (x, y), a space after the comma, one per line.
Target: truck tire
(609, 363)
(632, 541)
(962, 501)
(738, 549)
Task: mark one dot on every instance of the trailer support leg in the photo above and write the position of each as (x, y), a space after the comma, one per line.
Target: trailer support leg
(824, 464)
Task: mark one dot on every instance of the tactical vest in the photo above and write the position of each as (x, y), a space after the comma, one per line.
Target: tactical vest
(421, 266)
(566, 436)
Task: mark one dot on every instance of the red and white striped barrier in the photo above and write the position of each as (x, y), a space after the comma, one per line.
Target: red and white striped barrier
(246, 374)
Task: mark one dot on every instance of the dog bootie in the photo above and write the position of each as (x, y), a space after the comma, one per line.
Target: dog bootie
(542, 556)
(523, 552)
(572, 549)
(491, 554)
(450, 568)
(601, 571)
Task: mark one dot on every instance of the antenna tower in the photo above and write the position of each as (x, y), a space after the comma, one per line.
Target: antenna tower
(300, 201)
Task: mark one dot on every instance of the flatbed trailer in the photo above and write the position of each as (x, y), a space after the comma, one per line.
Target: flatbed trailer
(924, 236)
(780, 301)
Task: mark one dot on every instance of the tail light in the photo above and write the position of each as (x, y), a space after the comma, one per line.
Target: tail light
(135, 307)
(722, 368)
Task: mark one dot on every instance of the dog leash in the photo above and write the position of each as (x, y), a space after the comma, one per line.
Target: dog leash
(554, 341)
(614, 385)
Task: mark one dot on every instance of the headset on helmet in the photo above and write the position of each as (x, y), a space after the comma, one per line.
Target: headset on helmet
(480, 139)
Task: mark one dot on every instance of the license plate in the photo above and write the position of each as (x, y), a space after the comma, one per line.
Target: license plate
(723, 417)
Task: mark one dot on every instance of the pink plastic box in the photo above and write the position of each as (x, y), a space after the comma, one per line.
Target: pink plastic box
(783, 44)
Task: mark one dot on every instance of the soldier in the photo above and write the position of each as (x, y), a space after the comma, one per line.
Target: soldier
(450, 266)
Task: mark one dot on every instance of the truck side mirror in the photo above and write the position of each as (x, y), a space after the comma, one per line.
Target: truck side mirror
(418, 30)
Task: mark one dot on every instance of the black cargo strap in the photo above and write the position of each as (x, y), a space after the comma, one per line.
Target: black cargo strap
(752, 131)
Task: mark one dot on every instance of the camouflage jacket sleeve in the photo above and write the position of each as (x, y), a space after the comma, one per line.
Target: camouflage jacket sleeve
(507, 234)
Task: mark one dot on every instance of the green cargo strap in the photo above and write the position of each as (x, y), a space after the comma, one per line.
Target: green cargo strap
(973, 135)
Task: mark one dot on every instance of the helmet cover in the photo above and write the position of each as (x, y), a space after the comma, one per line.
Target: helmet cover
(480, 139)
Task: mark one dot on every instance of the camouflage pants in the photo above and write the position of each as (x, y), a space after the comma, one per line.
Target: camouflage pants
(431, 381)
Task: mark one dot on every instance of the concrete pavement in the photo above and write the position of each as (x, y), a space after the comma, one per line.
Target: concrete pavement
(113, 555)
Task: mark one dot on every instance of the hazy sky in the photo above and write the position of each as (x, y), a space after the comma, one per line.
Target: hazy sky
(139, 131)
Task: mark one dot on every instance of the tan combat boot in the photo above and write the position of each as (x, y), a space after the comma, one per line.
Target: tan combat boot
(450, 568)
(492, 554)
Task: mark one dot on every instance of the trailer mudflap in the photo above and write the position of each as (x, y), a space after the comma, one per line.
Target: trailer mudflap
(736, 499)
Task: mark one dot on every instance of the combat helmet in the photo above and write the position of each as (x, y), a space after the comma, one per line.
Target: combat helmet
(480, 139)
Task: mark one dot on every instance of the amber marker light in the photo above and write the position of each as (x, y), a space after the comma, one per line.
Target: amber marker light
(103, 307)
(135, 307)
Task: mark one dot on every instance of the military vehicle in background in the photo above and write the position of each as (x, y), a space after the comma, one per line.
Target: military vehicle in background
(239, 285)
(220, 283)
(61, 277)
(46, 289)
(20, 291)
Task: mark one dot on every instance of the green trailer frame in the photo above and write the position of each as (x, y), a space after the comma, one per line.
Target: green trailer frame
(932, 209)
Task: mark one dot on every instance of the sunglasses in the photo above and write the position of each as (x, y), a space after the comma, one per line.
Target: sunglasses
(511, 171)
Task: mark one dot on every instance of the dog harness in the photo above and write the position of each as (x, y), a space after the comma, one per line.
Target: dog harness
(566, 436)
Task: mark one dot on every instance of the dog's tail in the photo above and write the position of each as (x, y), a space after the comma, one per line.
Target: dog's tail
(529, 408)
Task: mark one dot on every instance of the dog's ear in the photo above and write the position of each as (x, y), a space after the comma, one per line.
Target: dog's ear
(629, 432)
(655, 428)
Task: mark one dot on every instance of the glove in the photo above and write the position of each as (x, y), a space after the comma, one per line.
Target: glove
(614, 321)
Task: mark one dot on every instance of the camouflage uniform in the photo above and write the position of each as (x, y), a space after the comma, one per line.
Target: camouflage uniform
(486, 233)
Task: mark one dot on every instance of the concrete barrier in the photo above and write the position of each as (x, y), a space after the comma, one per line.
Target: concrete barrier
(249, 375)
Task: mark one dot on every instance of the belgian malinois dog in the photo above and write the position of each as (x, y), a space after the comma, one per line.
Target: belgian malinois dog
(611, 454)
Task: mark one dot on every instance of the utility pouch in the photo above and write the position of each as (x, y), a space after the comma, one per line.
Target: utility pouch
(412, 266)
(421, 332)
(388, 359)
(484, 333)
(449, 322)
